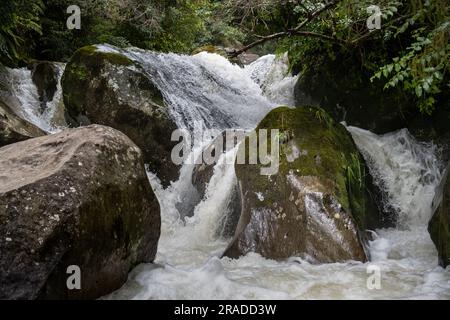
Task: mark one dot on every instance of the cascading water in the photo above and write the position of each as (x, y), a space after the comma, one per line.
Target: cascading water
(22, 87)
(190, 267)
(271, 73)
(188, 264)
(207, 91)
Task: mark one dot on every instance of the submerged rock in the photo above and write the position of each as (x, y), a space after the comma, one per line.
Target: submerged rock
(317, 205)
(80, 197)
(439, 226)
(201, 177)
(108, 88)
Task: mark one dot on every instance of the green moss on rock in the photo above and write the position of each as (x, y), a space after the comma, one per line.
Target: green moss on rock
(318, 194)
(327, 151)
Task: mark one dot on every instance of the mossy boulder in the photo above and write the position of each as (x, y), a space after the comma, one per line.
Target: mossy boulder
(317, 206)
(108, 88)
(439, 226)
(80, 197)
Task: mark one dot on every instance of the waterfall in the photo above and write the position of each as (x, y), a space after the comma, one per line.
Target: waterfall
(207, 91)
(408, 171)
(271, 73)
(22, 88)
(204, 89)
(190, 267)
(188, 263)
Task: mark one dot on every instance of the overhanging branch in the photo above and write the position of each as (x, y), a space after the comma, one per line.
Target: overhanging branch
(295, 31)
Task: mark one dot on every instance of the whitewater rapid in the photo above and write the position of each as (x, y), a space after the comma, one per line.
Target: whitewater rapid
(189, 267)
(207, 91)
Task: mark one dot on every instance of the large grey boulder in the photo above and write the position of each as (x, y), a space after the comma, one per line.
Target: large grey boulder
(80, 197)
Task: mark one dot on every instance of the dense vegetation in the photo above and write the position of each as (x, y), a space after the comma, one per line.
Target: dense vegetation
(410, 51)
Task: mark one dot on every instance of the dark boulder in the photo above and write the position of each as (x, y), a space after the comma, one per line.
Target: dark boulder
(45, 77)
(345, 91)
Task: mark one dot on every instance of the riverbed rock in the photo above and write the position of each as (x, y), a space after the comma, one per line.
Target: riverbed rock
(316, 205)
(439, 226)
(106, 87)
(77, 198)
(12, 127)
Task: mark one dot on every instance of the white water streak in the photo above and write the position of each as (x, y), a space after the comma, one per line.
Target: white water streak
(22, 87)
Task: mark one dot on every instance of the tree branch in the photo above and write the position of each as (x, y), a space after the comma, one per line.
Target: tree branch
(296, 30)
(371, 33)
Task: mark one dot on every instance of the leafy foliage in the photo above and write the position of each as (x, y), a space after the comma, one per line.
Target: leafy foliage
(410, 51)
(38, 27)
(20, 19)
(421, 68)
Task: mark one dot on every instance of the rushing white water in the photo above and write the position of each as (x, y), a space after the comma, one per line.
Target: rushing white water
(271, 73)
(188, 263)
(190, 268)
(205, 88)
(22, 87)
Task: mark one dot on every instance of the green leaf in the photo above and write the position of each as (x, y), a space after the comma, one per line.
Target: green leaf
(418, 91)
